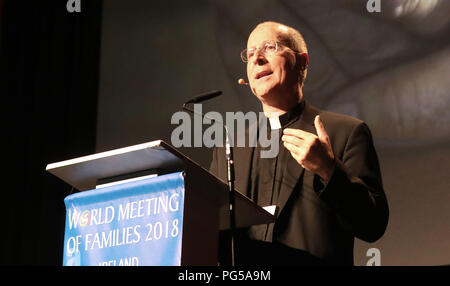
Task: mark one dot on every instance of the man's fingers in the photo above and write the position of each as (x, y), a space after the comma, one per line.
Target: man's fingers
(321, 133)
(292, 139)
(298, 133)
(291, 148)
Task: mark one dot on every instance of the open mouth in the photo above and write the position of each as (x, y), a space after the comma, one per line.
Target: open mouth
(263, 74)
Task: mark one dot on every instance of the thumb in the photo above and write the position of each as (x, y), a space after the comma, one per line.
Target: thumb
(321, 133)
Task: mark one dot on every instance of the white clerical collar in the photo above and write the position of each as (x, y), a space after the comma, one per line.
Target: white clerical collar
(279, 119)
(274, 122)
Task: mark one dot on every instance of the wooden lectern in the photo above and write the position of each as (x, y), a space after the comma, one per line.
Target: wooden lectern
(206, 209)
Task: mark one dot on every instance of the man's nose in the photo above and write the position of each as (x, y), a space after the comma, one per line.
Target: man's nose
(259, 58)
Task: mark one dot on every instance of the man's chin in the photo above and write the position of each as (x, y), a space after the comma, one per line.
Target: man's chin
(263, 92)
(265, 95)
(268, 99)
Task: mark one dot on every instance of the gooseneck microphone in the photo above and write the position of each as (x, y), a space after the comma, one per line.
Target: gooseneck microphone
(230, 162)
(202, 97)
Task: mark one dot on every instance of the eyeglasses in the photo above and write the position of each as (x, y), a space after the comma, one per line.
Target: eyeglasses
(268, 48)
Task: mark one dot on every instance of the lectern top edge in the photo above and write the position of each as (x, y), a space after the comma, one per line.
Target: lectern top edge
(103, 154)
(84, 173)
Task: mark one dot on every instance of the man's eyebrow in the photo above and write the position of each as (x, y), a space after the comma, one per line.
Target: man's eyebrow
(263, 42)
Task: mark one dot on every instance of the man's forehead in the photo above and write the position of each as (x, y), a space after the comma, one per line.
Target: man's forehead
(265, 32)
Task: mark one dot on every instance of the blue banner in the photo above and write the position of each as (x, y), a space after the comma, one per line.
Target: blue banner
(137, 223)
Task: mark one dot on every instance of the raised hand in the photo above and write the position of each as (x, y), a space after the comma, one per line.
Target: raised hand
(313, 152)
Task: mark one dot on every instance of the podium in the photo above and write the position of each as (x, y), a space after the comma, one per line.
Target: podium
(127, 187)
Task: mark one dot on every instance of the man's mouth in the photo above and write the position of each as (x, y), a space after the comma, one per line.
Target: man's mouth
(263, 74)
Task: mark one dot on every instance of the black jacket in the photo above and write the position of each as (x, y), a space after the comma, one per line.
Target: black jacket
(321, 221)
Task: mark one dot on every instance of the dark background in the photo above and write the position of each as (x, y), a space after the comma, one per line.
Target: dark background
(112, 75)
(49, 88)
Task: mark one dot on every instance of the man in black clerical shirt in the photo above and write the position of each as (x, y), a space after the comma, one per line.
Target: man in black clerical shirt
(325, 180)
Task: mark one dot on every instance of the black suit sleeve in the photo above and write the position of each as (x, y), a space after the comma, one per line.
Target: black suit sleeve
(355, 190)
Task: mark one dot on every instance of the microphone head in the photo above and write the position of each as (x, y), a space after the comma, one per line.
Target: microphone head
(241, 81)
(204, 96)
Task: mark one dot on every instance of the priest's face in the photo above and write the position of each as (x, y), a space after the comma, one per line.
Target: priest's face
(270, 69)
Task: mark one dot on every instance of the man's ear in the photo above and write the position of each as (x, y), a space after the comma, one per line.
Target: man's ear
(303, 60)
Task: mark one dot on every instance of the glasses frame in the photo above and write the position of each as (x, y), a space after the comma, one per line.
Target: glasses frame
(262, 49)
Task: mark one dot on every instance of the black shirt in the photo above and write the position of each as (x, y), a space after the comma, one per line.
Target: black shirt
(267, 173)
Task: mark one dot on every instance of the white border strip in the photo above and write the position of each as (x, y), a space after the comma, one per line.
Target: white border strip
(103, 155)
(125, 181)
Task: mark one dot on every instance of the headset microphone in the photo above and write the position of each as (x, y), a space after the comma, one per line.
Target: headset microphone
(241, 81)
